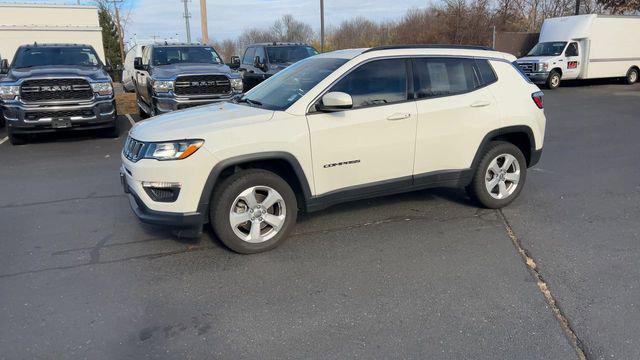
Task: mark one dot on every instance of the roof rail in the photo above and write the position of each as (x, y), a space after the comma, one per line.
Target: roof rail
(428, 46)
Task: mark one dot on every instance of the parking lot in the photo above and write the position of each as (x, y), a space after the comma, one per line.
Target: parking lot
(420, 275)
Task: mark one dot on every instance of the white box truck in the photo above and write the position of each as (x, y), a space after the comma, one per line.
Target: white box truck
(585, 47)
(22, 24)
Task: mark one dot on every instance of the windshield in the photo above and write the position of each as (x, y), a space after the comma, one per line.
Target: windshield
(181, 55)
(289, 54)
(548, 48)
(283, 89)
(52, 56)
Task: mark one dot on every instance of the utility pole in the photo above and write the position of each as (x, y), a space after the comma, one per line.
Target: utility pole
(577, 7)
(321, 25)
(119, 26)
(203, 21)
(187, 15)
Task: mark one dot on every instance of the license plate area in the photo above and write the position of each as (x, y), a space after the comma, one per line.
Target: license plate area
(60, 123)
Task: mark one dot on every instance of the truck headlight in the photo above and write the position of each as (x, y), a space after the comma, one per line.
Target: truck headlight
(543, 66)
(9, 92)
(162, 86)
(236, 84)
(103, 89)
(173, 150)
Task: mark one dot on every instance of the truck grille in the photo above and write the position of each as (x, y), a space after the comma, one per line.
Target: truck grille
(202, 85)
(133, 149)
(527, 67)
(36, 115)
(56, 90)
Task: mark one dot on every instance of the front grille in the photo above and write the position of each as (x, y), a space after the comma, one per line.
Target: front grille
(133, 149)
(55, 90)
(36, 115)
(202, 85)
(528, 67)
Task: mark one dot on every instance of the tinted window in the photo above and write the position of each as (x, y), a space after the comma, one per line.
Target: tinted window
(289, 54)
(376, 83)
(52, 56)
(572, 50)
(443, 76)
(487, 75)
(249, 56)
(260, 52)
(181, 55)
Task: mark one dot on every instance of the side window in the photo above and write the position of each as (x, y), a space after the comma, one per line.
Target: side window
(572, 49)
(443, 76)
(487, 75)
(248, 57)
(260, 52)
(376, 83)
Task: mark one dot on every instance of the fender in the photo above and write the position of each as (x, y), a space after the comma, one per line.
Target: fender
(534, 154)
(205, 197)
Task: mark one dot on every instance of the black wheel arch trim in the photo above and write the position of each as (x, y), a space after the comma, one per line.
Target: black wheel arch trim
(516, 129)
(217, 170)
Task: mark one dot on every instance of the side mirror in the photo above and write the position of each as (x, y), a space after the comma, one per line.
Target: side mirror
(137, 63)
(235, 62)
(257, 62)
(4, 66)
(335, 101)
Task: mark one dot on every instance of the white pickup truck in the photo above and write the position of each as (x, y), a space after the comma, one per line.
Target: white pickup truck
(584, 47)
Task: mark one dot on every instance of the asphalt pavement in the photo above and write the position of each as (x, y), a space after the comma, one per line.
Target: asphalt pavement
(419, 275)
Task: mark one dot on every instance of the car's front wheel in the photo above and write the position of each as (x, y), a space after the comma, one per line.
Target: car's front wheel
(253, 211)
(632, 76)
(553, 81)
(500, 175)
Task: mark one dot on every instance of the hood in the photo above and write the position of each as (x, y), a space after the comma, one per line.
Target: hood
(536, 58)
(172, 71)
(197, 123)
(96, 73)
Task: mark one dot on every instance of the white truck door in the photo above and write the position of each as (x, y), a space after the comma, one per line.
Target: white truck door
(573, 62)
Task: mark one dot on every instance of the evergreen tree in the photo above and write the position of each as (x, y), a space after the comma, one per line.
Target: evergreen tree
(110, 38)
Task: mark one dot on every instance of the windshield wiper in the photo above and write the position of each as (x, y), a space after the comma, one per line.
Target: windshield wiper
(250, 102)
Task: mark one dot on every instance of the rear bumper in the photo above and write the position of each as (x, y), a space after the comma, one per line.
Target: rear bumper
(22, 118)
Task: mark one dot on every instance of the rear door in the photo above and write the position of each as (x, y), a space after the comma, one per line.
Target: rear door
(455, 111)
(372, 143)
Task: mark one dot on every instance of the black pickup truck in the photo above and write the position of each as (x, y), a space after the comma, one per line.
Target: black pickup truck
(56, 87)
(178, 76)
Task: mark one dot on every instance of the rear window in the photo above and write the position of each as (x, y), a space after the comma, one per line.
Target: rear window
(436, 77)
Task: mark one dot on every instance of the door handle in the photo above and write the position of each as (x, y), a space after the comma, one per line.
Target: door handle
(480, 104)
(398, 116)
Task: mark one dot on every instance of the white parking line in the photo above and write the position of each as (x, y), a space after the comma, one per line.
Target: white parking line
(3, 140)
(130, 119)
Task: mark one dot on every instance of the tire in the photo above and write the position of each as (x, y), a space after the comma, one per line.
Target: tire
(553, 81)
(632, 76)
(513, 177)
(15, 139)
(229, 198)
(141, 112)
(112, 132)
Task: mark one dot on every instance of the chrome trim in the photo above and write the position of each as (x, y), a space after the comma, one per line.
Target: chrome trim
(87, 79)
(39, 106)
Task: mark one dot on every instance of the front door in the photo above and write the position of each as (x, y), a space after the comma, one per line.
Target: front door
(372, 143)
(572, 60)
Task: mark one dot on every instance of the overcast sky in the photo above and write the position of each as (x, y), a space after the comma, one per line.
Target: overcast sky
(228, 18)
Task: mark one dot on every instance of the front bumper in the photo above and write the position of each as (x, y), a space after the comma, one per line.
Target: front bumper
(538, 77)
(165, 104)
(28, 118)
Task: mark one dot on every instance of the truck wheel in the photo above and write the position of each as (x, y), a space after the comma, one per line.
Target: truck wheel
(500, 176)
(112, 132)
(253, 211)
(632, 76)
(16, 139)
(553, 81)
(141, 112)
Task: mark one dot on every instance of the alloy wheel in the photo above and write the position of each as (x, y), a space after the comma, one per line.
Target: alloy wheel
(502, 176)
(257, 214)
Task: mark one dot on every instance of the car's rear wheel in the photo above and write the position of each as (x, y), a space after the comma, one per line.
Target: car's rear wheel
(553, 81)
(632, 76)
(253, 211)
(500, 175)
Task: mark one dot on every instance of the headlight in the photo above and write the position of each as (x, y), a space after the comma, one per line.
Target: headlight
(173, 150)
(162, 86)
(236, 84)
(543, 66)
(102, 88)
(9, 92)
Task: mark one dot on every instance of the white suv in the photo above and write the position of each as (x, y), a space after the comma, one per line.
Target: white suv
(337, 127)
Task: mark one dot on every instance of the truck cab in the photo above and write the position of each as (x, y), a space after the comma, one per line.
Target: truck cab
(56, 87)
(171, 77)
(550, 62)
(261, 61)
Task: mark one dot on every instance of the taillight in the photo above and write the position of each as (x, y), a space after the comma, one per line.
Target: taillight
(538, 98)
